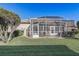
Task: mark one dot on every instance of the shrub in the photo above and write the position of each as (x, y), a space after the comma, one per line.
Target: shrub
(76, 31)
(17, 33)
(68, 34)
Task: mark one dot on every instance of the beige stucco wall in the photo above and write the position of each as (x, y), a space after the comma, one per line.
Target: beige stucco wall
(25, 32)
(23, 27)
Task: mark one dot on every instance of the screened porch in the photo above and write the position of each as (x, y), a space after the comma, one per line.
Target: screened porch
(46, 28)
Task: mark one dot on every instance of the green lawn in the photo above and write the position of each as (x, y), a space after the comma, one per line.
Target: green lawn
(37, 50)
(42, 46)
(70, 43)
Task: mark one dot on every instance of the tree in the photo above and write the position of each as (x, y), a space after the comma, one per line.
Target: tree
(78, 24)
(8, 23)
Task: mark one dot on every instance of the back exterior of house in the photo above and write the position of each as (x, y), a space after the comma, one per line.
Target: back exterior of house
(48, 26)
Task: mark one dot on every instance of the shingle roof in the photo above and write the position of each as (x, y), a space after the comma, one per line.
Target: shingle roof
(50, 17)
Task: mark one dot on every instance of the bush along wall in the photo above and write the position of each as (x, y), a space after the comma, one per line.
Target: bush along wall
(17, 33)
(70, 34)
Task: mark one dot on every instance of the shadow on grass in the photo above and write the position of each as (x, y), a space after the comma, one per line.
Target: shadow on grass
(76, 38)
(71, 38)
(37, 50)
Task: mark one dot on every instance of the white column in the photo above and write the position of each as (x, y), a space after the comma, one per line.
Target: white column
(46, 27)
(38, 28)
(32, 30)
(60, 30)
(30, 27)
(54, 28)
(43, 29)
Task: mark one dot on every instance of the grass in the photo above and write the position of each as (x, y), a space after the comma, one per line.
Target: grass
(42, 46)
(70, 43)
(37, 50)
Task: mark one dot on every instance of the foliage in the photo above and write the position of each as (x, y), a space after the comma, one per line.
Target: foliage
(76, 31)
(68, 34)
(71, 43)
(17, 33)
(77, 24)
(8, 20)
(22, 46)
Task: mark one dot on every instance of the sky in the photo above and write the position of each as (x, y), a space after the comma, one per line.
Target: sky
(69, 11)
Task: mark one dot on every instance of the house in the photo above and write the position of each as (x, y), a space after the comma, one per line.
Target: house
(47, 26)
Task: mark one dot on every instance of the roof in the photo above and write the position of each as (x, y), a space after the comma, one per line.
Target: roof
(25, 22)
(45, 18)
(50, 17)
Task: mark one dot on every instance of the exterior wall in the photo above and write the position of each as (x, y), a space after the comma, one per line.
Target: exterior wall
(36, 28)
(69, 25)
(25, 30)
(23, 27)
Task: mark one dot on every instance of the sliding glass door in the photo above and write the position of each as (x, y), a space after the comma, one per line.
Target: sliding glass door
(54, 30)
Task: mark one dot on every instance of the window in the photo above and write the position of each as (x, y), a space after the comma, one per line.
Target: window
(35, 29)
(56, 29)
(52, 29)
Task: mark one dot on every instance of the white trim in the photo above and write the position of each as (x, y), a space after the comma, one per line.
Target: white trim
(53, 29)
(38, 29)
